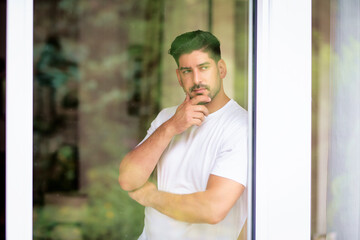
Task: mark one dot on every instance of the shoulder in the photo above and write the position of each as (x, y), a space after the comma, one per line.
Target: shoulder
(164, 115)
(236, 115)
(167, 112)
(234, 126)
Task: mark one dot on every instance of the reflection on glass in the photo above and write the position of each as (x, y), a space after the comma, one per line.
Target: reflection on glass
(101, 74)
(336, 120)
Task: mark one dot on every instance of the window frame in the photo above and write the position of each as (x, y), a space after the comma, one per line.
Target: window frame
(266, 218)
(19, 124)
(282, 161)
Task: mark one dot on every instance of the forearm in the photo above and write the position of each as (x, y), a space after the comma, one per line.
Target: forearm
(197, 207)
(137, 165)
(209, 206)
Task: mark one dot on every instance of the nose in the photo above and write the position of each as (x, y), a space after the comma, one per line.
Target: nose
(196, 77)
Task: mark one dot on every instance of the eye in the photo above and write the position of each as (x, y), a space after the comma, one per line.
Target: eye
(204, 67)
(186, 71)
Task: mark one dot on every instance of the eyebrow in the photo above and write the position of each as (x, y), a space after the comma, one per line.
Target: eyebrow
(185, 68)
(203, 64)
(199, 65)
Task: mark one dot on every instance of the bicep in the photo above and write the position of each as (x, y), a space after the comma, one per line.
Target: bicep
(223, 192)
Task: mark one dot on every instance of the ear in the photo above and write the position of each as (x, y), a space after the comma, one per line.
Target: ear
(178, 77)
(222, 68)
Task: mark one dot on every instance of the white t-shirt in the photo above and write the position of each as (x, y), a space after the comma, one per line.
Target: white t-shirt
(218, 147)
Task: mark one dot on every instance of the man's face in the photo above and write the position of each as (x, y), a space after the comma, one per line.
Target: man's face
(198, 74)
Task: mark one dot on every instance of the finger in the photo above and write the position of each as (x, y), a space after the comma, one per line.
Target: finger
(197, 122)
(187, 98)
(131, 194)
(200, 99)
(201, 108)
(199, 115)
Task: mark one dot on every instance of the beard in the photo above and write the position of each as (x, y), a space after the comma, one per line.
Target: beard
(198, 86)
(211, 92)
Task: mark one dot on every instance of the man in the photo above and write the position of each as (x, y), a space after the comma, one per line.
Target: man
(200, 150)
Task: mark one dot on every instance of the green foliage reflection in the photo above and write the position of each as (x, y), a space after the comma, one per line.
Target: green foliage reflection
(106, 212)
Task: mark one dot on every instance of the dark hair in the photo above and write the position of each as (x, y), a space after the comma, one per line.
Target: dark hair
(196, 40)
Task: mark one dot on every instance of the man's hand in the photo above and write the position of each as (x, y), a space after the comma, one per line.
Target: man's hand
(143, 194)
(137, 165)
(190, 113)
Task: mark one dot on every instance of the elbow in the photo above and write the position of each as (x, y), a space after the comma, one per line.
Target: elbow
(124, 178)
(215, 219)
(125, 184)
(129, 184)
(130, 177)
(216, 216)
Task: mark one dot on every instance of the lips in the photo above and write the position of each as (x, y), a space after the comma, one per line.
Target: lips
(199, 90)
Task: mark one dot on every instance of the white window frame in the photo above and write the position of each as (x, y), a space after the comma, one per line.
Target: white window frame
(19, 115)
(282, 120)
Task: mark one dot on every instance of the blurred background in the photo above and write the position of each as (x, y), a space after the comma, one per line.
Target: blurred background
(101, 75)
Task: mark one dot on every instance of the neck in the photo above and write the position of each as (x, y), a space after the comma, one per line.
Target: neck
(218, 101)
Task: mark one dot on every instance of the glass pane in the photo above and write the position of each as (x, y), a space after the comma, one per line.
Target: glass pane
(336, 120)
(102, 74)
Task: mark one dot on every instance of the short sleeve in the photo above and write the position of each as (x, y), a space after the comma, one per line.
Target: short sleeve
(162, 117)
(231, 161)
(151, 130)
